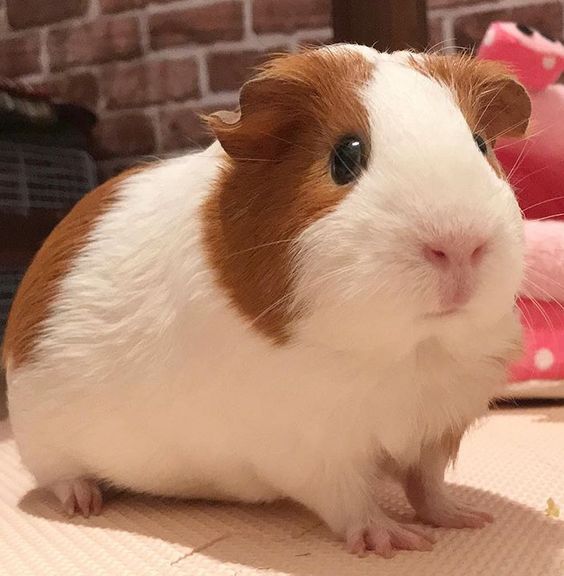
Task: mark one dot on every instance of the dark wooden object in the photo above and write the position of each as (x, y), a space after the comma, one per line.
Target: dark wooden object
(384, 24)
(21, 236)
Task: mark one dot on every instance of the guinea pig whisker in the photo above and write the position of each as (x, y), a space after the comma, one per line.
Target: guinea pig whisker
(546, 201)
(498, 135)
(526, 138)
(150, 159)
(526, 318)
(552, 216)
(550, 298)
(291, 295)
(508, 130)
(496, 92)
(245, 159)
(542, 313)
(536, 172)
(438, 47)
(546, 277)
(194, 143)
(517, 164)
(544, 274)
(259, 246)
(286, 141)
(273, 306)
(450, 48)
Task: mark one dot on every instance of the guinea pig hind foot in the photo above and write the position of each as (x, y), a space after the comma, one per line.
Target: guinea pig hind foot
(79, 496)
(386, 537)
(444, 512)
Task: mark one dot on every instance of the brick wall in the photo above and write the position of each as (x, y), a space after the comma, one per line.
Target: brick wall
(463, 22)
(147, 67)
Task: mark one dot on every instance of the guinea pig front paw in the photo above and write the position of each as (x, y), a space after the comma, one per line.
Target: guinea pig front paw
(446, 513)
(386, 536)
(79, 496)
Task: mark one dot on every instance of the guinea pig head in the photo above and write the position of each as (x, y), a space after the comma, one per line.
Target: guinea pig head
(360, 187)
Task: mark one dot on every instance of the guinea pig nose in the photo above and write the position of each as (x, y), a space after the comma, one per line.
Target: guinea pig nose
(446, 254)
(435, 255)
(478, 253)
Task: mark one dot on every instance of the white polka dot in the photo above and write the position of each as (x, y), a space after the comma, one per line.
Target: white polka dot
(544, 359)
(489, 37)
(549, 62)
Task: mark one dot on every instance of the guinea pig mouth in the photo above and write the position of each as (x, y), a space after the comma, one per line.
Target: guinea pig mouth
(444, 313)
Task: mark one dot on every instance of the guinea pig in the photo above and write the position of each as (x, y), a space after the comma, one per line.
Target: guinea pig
(321, 300)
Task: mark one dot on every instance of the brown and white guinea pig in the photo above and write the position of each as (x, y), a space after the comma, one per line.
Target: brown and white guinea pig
(322, 298)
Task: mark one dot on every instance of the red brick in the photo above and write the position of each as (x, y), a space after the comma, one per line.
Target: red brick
(436, 40)
(469, 30)
(75, 87)
(20, 56)
(315, 38)
(202, 24)
(27, 13)
(128, 135)
(290, 15)
(94, 43)
(229, 70)
(113, 6)
(183, 128)
(145, 83)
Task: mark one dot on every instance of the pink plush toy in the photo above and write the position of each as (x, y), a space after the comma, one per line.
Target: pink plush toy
(536, 168)
(536, 163)
(541, 370)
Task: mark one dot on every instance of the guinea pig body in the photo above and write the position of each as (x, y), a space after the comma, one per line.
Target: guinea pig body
(322, 298)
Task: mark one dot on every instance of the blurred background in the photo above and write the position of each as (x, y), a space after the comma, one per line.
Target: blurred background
(147, 67)
(90, 87)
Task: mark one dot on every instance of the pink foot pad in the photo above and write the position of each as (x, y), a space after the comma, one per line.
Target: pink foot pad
(80, 496)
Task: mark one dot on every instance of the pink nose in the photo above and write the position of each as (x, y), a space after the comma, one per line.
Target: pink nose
(454, 255)
(456, 259)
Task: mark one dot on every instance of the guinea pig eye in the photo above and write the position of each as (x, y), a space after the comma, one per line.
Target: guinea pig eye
(348, 159)
(481, 143)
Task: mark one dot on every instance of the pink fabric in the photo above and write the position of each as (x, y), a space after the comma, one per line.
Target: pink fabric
(544, 338)
(542, 311)
(536, 168)
(537, 61)
(536, 163)
(544, 260)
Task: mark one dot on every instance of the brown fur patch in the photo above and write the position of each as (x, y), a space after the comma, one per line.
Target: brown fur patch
(276, 180)
(445, 448)
(40, 284)
(449, 444)
(490, 98)
(428, 473)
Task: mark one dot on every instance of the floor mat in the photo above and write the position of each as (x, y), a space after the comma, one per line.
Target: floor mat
(510, 465)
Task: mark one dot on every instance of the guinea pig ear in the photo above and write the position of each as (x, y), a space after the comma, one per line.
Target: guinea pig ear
(504, 106)
(489, 95)
(263, 126)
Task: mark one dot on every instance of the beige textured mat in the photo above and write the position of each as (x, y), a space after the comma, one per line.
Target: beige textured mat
(511, 465)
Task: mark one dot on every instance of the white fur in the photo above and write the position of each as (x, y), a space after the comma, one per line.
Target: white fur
(147, 376)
